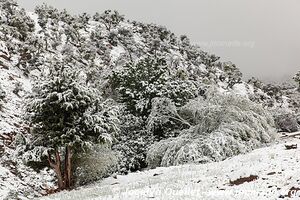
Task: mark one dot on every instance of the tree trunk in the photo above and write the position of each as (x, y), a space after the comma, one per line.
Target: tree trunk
(68, 168)
(64, 176)
(56, 165)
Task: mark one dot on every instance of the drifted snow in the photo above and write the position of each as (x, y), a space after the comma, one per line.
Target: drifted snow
(207, 181)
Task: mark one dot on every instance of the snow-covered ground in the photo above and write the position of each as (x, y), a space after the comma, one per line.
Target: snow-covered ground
(17, 180)
(276, 167)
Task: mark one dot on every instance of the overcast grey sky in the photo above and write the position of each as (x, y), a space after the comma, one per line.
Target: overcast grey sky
(262, 37)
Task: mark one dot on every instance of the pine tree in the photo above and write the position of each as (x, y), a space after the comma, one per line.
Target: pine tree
(139, 83)
(18, 24)
(109, 18)
(66, 114)
(234, 76)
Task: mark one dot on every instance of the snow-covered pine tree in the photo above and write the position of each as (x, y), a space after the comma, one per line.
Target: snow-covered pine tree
(17, 23)
(234, 75)
(66, 116)
(138, 83)
(110, 19)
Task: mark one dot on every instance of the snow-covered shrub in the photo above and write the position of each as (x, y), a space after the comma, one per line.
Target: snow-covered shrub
(285, 120)
(94, 164)
(287, 123)
(256, 83)
(224, 125)
(132, 144)
(273, 91)
(164, 119)
(139, 133)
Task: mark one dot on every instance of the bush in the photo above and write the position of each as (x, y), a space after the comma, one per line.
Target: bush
(285, 120)
(164, 119)
(223, 126)
(287, 123)
(94, 164)
(139, 133)
(132, 144)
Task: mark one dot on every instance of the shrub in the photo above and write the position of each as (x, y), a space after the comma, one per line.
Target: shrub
(285, 120)
(94, 164)
(224, 125)
(132, 144)
(164, 119)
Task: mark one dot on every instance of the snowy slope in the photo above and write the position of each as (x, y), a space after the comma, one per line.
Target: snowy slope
(277, 170)
(89, 51)
(16, 179)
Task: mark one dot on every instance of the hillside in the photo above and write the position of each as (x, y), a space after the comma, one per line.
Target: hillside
(155, 100)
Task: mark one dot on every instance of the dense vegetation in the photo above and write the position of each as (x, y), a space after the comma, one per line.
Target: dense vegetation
(142, 95)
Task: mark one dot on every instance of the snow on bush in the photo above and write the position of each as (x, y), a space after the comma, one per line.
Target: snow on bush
(94, 164)
(285, 120)
(164, 119)
(223, 125)
(132, 143)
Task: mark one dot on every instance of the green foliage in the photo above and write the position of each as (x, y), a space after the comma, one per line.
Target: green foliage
(139, 83)
(64, 111)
